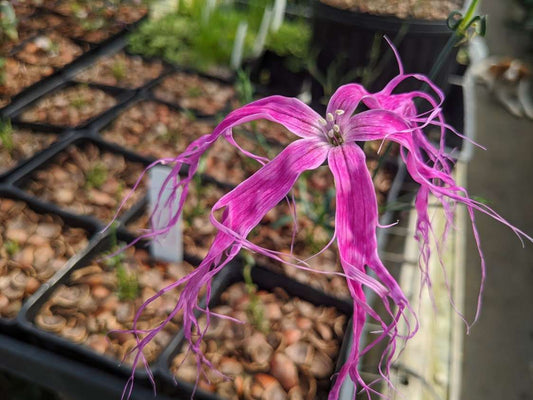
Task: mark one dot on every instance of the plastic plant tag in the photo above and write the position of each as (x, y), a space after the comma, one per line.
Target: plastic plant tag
(236, 55)
(167, 247)
(263, 31)
(279, 14)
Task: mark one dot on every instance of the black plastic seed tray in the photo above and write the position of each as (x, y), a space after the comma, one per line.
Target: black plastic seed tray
(61, 75)
(21, 178)
(119, 96)
(118, 51)
(224, 81)
(264, 279)
(54, 136)
(8, 325)
(98, 251)
(105, 126)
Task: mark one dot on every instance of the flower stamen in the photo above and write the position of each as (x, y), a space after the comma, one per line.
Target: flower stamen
(334, 134)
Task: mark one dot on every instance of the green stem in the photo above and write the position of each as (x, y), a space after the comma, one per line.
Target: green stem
(467, 18)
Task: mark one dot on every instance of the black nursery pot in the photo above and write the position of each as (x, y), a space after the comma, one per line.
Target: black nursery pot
(273, 72)
(344, 41)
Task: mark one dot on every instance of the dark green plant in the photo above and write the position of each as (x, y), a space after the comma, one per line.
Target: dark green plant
(292, 42)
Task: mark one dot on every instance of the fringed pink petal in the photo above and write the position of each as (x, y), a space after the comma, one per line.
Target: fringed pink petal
(375, 125)
(356, 220)
(244, 207)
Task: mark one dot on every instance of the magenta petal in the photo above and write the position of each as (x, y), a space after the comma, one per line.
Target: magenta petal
(356, 221)
(294, 115)
(252, 199)
(346, 98)
(376, 125)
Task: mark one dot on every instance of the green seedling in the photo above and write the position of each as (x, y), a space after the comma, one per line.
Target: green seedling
(11, 247)
(78, 102)
(244, 87)
(199, 187)
(6, 135)
(194, 91)
(127, 281)
(119, 70)
(2, 71)
(96, 176)
(255, 308)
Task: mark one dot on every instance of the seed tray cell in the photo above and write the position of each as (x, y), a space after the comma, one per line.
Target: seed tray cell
(199, 94)
(18, 145)
(85, 177)
(121, 70)
(35, 243)
(72, 105)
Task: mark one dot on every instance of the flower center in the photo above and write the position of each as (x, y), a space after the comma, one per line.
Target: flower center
(332, 129)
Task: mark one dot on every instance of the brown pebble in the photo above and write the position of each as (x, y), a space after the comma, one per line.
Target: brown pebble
(304, 323)
(32, 285)
(100, 292)
(98, 343)
(284, 370)
(292, 336)
(4, 301)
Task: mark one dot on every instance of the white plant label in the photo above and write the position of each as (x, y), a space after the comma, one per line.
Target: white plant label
(168, 247)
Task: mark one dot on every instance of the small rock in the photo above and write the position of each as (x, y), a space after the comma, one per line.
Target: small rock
(230, 366)
(100, 292)
(32, 285)
(284, 370)
(64, 196)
